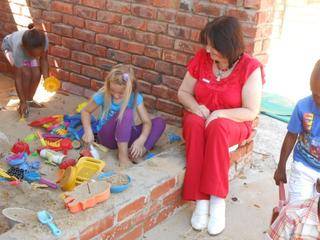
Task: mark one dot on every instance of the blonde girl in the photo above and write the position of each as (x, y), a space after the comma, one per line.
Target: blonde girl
(118, 100)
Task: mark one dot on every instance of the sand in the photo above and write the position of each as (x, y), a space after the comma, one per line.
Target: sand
(118, 179)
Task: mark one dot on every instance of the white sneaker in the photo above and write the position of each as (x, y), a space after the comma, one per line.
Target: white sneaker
(200, 216)
(217, 220)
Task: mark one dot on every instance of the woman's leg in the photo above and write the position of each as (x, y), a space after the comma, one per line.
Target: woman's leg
(158, 127)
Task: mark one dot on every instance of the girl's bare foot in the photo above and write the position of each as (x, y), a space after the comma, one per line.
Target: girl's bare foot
(35, 104)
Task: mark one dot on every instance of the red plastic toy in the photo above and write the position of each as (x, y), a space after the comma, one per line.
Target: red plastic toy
(67, 163)
(20, 147)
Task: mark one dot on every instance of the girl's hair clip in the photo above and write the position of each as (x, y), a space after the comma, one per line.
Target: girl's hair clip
(126, 77)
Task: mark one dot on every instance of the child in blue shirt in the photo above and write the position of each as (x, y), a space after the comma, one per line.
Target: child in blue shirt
(118, 100)
(304, 135)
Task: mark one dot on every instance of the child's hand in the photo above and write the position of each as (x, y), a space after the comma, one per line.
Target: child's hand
(280, 175)
(137, 149)
(88, 137)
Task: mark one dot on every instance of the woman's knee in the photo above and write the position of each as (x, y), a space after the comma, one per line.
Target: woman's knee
(193, 121)
(217, 125)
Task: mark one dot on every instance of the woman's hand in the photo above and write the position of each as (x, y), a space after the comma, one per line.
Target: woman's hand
(201, 111)
(280, 175)
(137, 149)
(214, 115)
(88, 136)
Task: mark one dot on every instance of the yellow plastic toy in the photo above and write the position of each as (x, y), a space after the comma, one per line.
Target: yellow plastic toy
(52, 84)
(84, 170)
(81, 106)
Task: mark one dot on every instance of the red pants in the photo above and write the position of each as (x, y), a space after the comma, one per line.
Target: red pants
(207, 155)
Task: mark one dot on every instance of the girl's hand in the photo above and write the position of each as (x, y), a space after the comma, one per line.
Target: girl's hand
(280, 175)
(88, 137)
(214, 115)
(202, 111)
(137, 149)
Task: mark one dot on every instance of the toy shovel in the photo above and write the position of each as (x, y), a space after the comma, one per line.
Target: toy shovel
(46, 218)
(282, 203)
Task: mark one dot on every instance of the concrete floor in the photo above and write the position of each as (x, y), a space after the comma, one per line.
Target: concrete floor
(248, 217)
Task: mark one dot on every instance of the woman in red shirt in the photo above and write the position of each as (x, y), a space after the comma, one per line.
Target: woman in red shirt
(221, 93)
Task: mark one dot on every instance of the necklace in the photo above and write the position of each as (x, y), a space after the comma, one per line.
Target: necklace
(220, 73)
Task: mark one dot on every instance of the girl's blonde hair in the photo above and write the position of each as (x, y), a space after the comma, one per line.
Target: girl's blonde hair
(122, 75)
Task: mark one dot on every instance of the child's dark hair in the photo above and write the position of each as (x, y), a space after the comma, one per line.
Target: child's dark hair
(33, 38)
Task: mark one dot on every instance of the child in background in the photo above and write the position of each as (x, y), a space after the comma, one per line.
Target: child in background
(118, 100)
(304, 125)
(26, 51)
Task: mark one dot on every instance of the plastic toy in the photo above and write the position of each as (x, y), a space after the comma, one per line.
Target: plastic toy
(16, 172)
(91, 194)
(85, 169)
(67, 163)
(81, 106)
(6, 176)
(46, 218)
(31, 137)
(59, 145)
(16, 159)
(101, 147)
(20, 147)
(32, 177)
(51, 84)
(48, 183)
(114, 188)
(174, 138)
(76, 144)
(47, 121)
(52, 156)
(150, 155)
(42, 141)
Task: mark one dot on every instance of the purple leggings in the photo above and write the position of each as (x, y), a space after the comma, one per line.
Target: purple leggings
(125, 131)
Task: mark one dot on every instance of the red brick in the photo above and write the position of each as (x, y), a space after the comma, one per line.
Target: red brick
(40, 4)
(97, 228)
(249, 31)
(134, 22)
(264, 32)
(71, 66)
(54, 38)
(80, 79)
(151, 76)
(73, 88)
(132, 47)
(62, 29)
(82, 57)
(35, 13)
(179, 71)
(150, 223)
(162, 189)
(73, 21)
(92, 72)
(4, 6)
(54, 61)
(121, 32)
(144, 87)
(62, 75)
(191, 20)
(165, 93)
(60, 52)
(84, 35)
(239, 14)
(144, 11)
(167, 15)
(224, 1)
(96, 85)
(54, 17)
(149, 101)
(167, 3)
(96, 26)
(101, 62)
(119, 56)
(179, 32)
(108, 41)
(157, 27)
(117, 6)
(173, 197)
(85, 12)
(131, 208)
(207, 9)
(164, 67)
(258, 4)
(169, 107)
(145, 37)
(165, 213)
(175, 57)
(143, 61)
(186, 46)
(264, 17)
(95, 49)
(62, 7)
(109, 17)
(153, 52)
(165, 41)
(72, 44)
(100, 4)
(134, 234)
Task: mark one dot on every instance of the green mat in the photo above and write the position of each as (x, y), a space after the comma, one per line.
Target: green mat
(276, 107)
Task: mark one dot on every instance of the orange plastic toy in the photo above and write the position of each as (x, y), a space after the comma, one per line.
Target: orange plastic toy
(87, 196)
(52, 84)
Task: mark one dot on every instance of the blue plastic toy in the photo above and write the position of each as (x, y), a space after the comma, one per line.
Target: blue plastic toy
(46, 218)
(150, 155)
(32, 177)
(114, 188)
(17, 159)
(174, 138)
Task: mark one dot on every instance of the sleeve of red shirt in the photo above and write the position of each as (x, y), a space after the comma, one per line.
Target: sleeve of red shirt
(252, 65)
(195, 63)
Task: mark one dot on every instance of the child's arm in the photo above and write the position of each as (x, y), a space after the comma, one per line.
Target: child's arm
(287, 146)
(44, 65)
(88, 136)
(138, 145)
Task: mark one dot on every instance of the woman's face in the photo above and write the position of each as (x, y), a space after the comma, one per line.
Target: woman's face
(215, 55)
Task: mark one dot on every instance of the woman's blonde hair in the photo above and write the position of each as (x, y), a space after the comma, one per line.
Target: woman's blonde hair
(122, 75)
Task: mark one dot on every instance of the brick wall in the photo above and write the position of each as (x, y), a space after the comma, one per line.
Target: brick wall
(157, 36)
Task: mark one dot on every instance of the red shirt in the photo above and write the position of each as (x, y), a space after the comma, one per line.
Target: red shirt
(226, 93)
